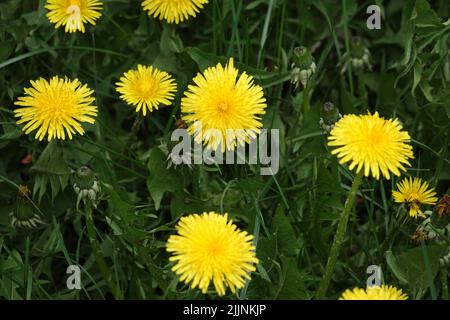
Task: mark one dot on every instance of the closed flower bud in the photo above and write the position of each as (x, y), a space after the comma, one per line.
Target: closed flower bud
(303, 67)
(330, 116)
(445, 260)
(359, 57)
(24, 215)
(86, 186)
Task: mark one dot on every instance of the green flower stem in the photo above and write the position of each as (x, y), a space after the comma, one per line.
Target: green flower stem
(339, 237)
(304, 107)
(362, 87)
(305, 102)
(444, 282)
(101, 263)
(133, 132)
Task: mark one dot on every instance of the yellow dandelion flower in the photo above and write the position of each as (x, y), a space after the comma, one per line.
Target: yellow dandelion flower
(210, 248)
(73, 14)
(414, 192)
(374, 293)
(173, 10)
(146, 88)
(223, 109)
(371, 142)
(56, 108)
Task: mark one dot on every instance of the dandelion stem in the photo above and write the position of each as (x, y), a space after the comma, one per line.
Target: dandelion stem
(362, 87)
(305, 102)
(444, 283)
(339, 237)
(101, 263)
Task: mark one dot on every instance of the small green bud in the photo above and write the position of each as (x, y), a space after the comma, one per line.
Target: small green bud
(330, 115)
(24, 215)
(445, 260)
(303, 67)
(358, 57)
(86, 186)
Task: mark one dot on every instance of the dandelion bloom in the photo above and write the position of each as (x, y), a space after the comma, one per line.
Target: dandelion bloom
(374, 293)
(210, 248)
(146, 88)
(56, 108)
(73, 14)
(225, 104)
(414, 192)
(372, 143)
(173, 10)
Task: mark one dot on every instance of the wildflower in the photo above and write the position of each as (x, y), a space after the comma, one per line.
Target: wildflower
(73, 14)
(445, 260)
(23, 216)
(86, 186)
(374, 293)
(359, 57)
(303, 67)
(146, 88)
(55, 108)
(330, 116)
(173, 11)
(223, 103)
(371, 143)
(414, 192)
(210, 248)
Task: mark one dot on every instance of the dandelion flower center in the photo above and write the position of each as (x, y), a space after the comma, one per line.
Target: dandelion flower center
(73, 14)
(149, 88)
(371, 143)
(146, 88)
(224, 103)
(222, 107)
(56, 108)
(414, 192)
(210, 248)
(74, 21)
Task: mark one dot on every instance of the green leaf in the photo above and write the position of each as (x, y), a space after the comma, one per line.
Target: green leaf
(293, 286)
(424, 16)
(409, 267)
(50, 167)
(161, 179)
(284, 233)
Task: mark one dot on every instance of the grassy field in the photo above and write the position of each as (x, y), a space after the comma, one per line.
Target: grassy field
(305, 247)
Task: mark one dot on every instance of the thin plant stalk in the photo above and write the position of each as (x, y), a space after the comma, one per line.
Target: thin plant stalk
(101, 263)
(305, 102)
(339, 237)
(444, 283)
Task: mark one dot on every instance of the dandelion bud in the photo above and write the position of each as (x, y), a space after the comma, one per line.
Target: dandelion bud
(441, 214)
(330, 116)
(359, 55)
(303, 67)
(86, 186)
(445, 260)
(24, 215)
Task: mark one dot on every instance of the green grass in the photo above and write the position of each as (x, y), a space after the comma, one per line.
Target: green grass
(293, 215)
